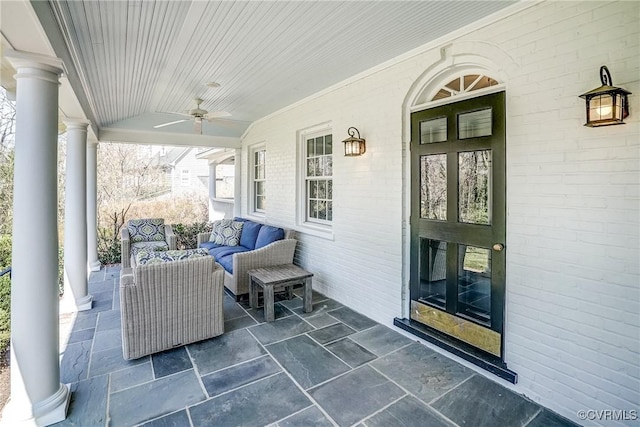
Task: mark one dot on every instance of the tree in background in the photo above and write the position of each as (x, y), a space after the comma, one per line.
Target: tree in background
(7, 141)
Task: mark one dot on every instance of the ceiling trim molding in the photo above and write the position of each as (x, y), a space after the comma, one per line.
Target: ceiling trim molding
(129, 136)
(447, 38)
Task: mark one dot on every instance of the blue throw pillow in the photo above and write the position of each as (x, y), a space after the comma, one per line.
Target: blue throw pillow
(249, 234)
(267, 235)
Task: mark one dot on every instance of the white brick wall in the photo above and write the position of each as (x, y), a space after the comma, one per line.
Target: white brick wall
(573, 285)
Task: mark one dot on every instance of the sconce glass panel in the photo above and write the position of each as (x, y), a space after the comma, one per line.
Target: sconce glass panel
(434, 130)
(474, 124)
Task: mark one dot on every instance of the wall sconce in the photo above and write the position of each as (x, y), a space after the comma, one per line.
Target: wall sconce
(606, 105)
(354, 146)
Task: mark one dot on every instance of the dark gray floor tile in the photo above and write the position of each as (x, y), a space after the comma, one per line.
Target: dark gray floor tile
(88, 406)
(239, 323)
(75, 362)
(310, 417)
(177, 419)
(547, 418)
(84, 320)
(104, 362)
(355, 320)
(331, 333)
(280, 329)
(130, 377)
(481, 402)
(97, 286)
(108, 320)
(256, 404)
(308, 362)
(321, 320)
(224, 351)
(351, 353)
(319, 307)
(107, 340)
(422, 371)
(105, 295)
(292, 303)
(316, 296)
(381, 340)
(170, 362)
(232, 309)
(407, 412)
(279, 312)
(367, 392)
(82, 335)
(142, 403)
(96, 276)
(104, 305)
(239, 375)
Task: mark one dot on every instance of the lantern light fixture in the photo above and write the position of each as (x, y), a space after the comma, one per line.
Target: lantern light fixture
(354, 146)
(606, 105)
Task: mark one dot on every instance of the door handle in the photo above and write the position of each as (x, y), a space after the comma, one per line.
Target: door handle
(498, 247)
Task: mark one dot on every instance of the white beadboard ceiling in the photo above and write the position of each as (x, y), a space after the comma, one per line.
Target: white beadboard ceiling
(135, 60)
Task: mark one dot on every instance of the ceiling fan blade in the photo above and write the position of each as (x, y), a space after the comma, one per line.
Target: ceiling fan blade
(170, 123)
(216, 115)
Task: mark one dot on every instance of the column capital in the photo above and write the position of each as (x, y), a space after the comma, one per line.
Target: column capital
(20, 59)
(79, 124)
(92, 143)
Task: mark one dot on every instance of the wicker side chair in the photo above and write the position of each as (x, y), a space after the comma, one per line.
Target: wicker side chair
(147, 233)
(170, 304)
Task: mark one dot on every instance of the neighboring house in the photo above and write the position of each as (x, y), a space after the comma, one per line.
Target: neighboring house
(186, 173)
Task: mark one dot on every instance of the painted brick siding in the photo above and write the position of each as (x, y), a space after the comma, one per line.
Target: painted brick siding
(572, 327)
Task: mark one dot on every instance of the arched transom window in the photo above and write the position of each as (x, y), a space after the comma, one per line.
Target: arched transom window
(464, 84)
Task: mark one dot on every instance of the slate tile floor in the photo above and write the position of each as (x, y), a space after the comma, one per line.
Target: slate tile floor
(329, 367)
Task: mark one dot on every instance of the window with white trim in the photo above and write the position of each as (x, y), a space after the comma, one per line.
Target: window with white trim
(259, 180)
(185, 177)
(318, 178)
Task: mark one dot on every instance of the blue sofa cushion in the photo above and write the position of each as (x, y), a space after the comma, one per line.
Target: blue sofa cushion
(231, 250)
(268, 235)
(226, 262)
(208, 245)
(250, 234)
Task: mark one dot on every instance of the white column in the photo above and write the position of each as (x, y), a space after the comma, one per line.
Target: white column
(212, 190)
(76, 294)
(37, 396)
(237, 183)
(92, 206)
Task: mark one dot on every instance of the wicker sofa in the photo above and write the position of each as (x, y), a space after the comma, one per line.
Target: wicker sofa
(248, 254)
(147, 233)
(169, 304)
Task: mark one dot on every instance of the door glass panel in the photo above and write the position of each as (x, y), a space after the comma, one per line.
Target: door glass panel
(433, 271)
(474, 187)
(474, 283)
(433, 130)
(433, 186)
(474, 124)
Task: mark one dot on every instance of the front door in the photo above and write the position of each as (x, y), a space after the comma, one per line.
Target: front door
(458, 221)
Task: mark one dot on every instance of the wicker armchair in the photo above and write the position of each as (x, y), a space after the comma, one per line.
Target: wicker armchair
(165, 241)
(170, 304)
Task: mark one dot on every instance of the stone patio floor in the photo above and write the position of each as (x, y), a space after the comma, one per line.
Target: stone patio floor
(332, 366)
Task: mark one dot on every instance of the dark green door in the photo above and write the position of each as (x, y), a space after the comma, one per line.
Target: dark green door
(458, 220)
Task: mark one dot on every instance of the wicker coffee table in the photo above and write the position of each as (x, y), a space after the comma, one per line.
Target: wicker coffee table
(278, 276)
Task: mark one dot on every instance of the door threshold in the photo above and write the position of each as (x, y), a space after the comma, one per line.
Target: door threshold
(459, 348)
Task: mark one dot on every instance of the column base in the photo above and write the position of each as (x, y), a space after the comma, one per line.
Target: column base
(94, 266)
(45, 413)
(85, 303)
(70, 305)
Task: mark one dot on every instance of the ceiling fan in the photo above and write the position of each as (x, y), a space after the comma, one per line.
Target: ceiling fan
(196, 114)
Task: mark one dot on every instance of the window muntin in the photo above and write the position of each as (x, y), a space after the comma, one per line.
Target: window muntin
(319, 178)
(464, 84)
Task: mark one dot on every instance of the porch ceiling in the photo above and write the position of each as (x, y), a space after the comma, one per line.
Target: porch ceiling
(134, 61)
